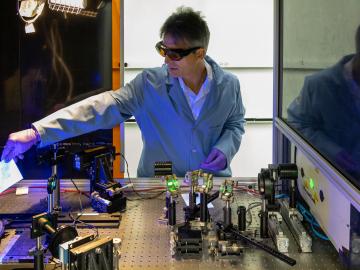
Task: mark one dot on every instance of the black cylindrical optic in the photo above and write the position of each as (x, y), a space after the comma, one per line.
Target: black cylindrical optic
(167, 205)
(241, 212)
(288, 171)
(227, 216)
(38, 253)
(292, 200)
(62, 234)
(192, 199)
(45, 224)
(203, 207)
(172, 213)
(264, 224)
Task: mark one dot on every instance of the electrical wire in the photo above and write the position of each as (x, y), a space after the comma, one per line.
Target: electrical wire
(281, 196)
(312, 221)
(76, 221)
(307, 216)
(12, 190)
(141, 197)
(60, 70)
(79, 192)
(57, 263)
(248, 211)
(252, 192)
(247, 190)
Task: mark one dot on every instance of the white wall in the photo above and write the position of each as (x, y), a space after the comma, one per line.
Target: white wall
(240, 30)
(256, 89)
(255, 150)
(241, 42)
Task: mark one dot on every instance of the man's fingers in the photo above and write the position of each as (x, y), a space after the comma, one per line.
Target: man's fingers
(215, 162)
(205, 166)
(6, 154)
(9, 151)
(9, 157)
(213, 165)
(211, 156)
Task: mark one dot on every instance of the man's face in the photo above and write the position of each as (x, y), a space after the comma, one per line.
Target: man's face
(186, 66)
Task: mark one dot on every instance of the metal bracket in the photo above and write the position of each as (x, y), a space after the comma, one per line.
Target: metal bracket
(293, 219)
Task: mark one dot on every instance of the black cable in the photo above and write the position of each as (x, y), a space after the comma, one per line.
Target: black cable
(258, 244)
(141, 197)
(79, 192)
(76, 221)
(57, 263)
(248, 210)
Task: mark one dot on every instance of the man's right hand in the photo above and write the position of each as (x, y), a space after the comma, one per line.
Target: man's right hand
(18, 143)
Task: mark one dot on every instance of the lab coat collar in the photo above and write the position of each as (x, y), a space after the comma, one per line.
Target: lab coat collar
(216, 87)
(338, 70)
(218, 73)
(337, 74)
(178, 98)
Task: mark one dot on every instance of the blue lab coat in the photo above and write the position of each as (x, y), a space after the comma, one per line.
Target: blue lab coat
(169, 130)
(327, 114)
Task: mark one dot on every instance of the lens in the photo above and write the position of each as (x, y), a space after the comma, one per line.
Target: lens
(161, 50)
(173, 55)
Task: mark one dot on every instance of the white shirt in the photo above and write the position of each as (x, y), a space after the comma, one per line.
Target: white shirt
(196, 101)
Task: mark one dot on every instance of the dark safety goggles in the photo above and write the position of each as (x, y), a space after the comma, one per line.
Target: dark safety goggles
(173, 54)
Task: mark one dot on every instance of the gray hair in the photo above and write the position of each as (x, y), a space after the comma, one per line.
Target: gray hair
(187, 25)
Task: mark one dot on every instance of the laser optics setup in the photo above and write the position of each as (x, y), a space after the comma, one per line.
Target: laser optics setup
(200, 235)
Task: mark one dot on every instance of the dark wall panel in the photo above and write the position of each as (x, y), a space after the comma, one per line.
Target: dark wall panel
(66, 59)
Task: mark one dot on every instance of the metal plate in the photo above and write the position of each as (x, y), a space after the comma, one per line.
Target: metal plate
(146, 242)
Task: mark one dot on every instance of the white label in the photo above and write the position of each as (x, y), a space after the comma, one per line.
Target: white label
(9, 174)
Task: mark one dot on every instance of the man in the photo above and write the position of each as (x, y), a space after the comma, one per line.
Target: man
(189, 111)
(327, 112)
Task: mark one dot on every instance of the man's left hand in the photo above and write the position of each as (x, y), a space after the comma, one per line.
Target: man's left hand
(216, 161)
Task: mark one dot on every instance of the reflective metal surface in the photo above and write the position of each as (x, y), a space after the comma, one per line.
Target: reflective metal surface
(146, 241)
(65, 60)
(321, 78)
